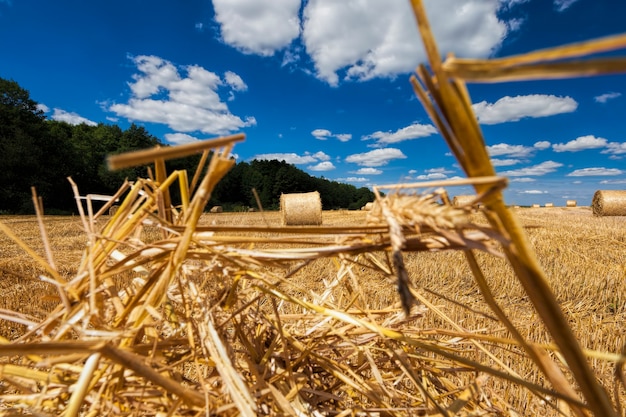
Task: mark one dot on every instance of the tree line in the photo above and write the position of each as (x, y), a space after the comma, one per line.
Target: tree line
(35, 151)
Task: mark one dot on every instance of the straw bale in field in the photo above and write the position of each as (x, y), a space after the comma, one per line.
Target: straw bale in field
(549, 204)
(609, 203)
(368, 206)
(536, 206)
(301, 209)
(217, 209)
(570, 203)
(462, 200)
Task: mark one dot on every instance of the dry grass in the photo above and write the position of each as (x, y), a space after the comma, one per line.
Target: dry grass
(584, 260)
(420, 308)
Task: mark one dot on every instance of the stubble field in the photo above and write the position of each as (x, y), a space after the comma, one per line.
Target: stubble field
(583, 256)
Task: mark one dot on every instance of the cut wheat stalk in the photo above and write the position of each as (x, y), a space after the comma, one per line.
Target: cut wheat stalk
(451, 100)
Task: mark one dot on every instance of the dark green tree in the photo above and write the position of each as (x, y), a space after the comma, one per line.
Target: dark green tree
(22, 158)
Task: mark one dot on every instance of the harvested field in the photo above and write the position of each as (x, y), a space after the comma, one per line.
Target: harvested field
(584, 260)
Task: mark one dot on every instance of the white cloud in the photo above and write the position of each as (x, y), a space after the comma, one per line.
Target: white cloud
(258, 26)
(180, 138)
(504, 162)
(562, 5)
(432, 176)
(413, 131)
(71, 118)
(318, 158)
(321, 156)
(513, 109)
(322, 166)
(235, 81)
(613, 182)
(42, 107)
(324, 134)
(353, 179)
(290, 158)
(595, 172)
(532, 192)
(373, 38)
(368, 171)
(544, 144)
(603, 98)
(321, 134)
(439, 171)
(377, 157)
(518, 151)
(579, 144)
(161, 95)
(522, 179)
(615, 148)
(536, 170)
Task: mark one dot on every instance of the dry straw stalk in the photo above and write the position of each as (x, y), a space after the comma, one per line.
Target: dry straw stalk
(445, 97)
(168, 316)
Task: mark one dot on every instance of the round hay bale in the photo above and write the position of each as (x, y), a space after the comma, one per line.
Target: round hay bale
(368, 206)
(570, 203)
(609, 203)
(301, 209)
(113, 210)
(549, 204)
(462, 200)
(217, 209)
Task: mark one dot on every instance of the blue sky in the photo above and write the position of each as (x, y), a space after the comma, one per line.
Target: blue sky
(323, 84)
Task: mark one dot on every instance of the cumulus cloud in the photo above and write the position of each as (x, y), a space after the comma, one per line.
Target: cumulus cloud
(322, 166)
(361, 40)
(373, 38)
(368, 171)
(258, 26)
(580, 144)
(186, 104)
(321, 156)
(431, 176)
(324, 134)
(595, 172)
(522, 179)
(353, 179)
(613, 182)
(295, 159)
(517, 151)
(71, 118)
(532, 192)
(562, 5)
(377, 157)
(513, 109)
(615, 148)
(235, 81)
(504, 162)
(180, 138)
(544, 144)
(603, 98)
(534, 171)
(414, 131)
(40, 106)
(321, 134)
